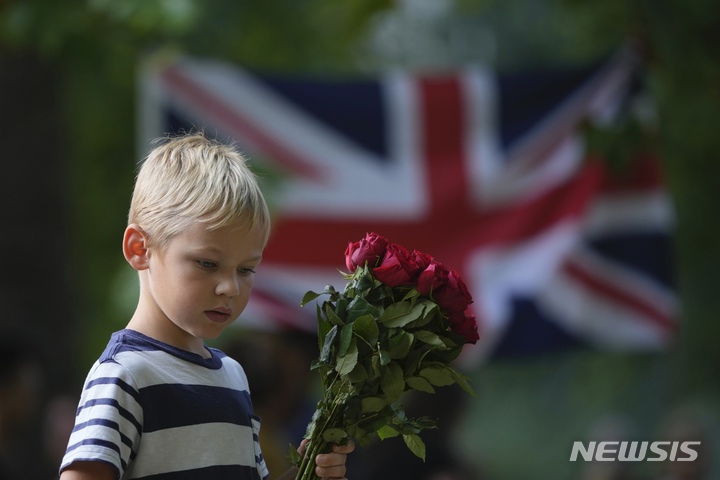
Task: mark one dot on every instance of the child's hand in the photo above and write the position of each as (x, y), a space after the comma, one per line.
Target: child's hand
(331, 465)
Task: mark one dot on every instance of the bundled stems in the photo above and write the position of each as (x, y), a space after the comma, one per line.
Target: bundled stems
(316, 445)
(307, 466)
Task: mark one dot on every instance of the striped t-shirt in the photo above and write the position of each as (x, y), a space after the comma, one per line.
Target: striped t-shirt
(158, 412)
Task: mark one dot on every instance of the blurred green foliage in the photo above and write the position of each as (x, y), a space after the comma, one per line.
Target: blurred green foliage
(95, 46)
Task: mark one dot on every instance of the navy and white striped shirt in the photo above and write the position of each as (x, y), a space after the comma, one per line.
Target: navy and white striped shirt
(158, 412)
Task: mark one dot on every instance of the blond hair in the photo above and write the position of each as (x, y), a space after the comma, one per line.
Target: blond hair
(193, 178)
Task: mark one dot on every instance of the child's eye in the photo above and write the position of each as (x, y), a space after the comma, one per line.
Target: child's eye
(246, 271)
(206, 264)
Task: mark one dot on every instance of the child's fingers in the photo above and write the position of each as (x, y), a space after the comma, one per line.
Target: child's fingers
(344, 449)
(332, 465)
(334, 472)
(302, 447)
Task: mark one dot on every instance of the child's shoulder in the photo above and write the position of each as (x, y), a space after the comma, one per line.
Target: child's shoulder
(140, 364)
(128, 344)
(150, 361)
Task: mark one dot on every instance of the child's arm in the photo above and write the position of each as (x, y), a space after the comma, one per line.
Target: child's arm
(329, 465)
(89, 471)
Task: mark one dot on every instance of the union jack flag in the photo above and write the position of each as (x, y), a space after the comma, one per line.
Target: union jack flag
(488, 173)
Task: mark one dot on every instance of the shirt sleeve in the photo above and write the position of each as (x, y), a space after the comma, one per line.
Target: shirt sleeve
(108, 423)
(259, 459)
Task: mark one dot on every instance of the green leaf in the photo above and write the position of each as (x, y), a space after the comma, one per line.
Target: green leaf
(373, 404)
(399, 344)
(463, 381)
(425, 422)
(359, 307)
(416, 445)
(377, 294)
(366, 440)
(400, 314)
(465, 385)
(415, 359)
(346, 363)
(324, 326)
(316, 419)
(372, 365)
(449, 342)
(421, 384)
(431, 308)
(326, 350)
(375, 421)
(411, 295)
(392, 381)
(309, 297)
(293, 456)
(364, 280)
(367, 328)
(430, 338)
(341, 308)
(449, 354)
(358, 374)
(331, 315)
(334, 435)
(355, 432)
(430, 313)
(437, 376)
(345, 337)
(384, 357)
(387, 431)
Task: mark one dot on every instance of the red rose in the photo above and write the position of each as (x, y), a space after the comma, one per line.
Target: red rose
(466, 326)
(432, 278)
(422, 260)
(453, 296)
(397, 267)
(370, 249)
(352, 246)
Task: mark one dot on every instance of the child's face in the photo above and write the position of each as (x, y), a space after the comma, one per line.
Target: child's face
(200, 282)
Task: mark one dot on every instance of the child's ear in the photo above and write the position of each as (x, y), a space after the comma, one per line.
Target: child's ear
(135, 247)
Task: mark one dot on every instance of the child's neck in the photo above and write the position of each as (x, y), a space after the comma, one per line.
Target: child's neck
(172, 335)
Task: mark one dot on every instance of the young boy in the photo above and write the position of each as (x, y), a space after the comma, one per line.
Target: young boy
(159, 404)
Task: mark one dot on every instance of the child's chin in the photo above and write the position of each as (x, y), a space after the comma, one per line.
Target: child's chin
(212, 334)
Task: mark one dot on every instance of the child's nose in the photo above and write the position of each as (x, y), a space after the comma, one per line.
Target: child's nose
(229, 285)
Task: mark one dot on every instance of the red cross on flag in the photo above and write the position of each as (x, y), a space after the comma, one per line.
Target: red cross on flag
(488, 173)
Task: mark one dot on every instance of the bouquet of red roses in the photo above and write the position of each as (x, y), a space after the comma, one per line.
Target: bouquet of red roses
(397, 325)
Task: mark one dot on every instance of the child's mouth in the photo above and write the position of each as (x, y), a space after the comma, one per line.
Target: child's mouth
(217, 316)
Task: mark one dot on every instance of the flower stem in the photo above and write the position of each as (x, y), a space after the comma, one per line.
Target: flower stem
(317, 444)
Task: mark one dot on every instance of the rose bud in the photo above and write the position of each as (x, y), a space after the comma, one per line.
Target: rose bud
(432, 278)
(368, 250)
(454, 295)
(422, 260)
(466, 326)
(397, 267)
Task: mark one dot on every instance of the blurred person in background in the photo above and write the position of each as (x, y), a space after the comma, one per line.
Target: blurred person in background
(57, 424)
(609, 428)
(277, 364)
(20, 398)
(688, 425)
